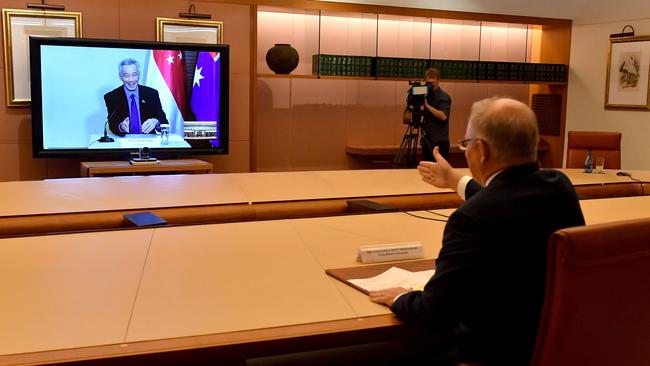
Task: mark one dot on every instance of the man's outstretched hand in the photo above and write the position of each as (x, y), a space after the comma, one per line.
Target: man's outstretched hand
(440, 173)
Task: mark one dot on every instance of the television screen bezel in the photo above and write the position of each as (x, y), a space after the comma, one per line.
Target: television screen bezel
(38, 149)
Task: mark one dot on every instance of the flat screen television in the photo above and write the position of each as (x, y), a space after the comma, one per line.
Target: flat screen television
(106, 97)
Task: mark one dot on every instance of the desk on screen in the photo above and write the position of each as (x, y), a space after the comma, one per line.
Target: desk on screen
(137, 141)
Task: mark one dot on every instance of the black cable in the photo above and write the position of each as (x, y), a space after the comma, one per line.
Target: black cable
(422, 217)
(640, 182)
(436, 213)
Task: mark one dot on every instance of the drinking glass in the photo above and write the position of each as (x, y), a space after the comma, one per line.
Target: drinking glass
(600, 165)
(164, 134)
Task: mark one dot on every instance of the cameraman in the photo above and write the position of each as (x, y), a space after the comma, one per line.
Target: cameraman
(437, 105)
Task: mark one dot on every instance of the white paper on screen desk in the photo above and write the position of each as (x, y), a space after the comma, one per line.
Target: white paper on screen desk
(395, 277)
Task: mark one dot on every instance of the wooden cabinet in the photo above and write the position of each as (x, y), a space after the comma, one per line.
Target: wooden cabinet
(110, 168)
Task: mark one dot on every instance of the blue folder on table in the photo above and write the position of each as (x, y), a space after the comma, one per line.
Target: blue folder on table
(145, 219)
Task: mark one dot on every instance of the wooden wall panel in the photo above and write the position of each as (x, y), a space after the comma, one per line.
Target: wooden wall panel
(15, 123)
(275, 133)
(137, 19)
(273, 126)
(555, 44)
(372, 116)
(318, 134)
(371, 111)
(239, 128)
(18, 164)
(100, 18)
(235, 162)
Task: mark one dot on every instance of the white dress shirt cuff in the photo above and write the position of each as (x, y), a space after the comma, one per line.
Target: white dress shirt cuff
(462, 185)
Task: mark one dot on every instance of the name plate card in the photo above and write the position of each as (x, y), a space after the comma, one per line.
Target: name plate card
(390, 252)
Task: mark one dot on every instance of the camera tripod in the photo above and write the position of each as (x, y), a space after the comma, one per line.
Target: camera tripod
(408, 149)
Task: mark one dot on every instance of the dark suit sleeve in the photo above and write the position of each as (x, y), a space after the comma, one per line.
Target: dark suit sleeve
(472, 188)
(113, 113)
(444, 297)
(152, 108)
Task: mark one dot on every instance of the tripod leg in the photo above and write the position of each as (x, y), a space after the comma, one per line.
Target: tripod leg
(411, 149)
(404, 149)
(400, 151)
(414, 153)
(407, 153)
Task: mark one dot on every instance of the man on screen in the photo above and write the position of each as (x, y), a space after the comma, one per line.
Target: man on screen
(133, 108)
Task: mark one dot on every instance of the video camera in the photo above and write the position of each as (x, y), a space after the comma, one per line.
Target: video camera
(416, 94)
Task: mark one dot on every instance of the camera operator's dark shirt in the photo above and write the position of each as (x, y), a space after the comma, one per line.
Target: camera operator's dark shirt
(436, 129)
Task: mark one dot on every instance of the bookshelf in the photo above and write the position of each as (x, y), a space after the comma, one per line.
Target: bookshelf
(347, 44)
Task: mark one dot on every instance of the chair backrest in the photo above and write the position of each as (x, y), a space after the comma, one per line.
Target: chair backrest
(606, 144)
(597, 302)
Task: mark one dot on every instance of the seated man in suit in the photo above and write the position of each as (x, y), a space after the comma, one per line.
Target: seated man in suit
(484, 301)
(133, 108)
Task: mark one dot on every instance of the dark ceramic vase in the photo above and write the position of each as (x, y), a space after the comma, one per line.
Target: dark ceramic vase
(282, 58)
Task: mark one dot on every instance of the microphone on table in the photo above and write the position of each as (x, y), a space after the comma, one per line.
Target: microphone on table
(107, 138)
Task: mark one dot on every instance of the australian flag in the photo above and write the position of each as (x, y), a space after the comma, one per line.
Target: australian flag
(205, 89)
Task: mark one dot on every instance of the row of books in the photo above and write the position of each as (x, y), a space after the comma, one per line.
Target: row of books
(412, 68)
(335, 65)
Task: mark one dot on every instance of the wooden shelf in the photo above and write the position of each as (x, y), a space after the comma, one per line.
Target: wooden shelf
(386, 150)
(287, 76)
(108, 168)
(391, 150)
(330, 77)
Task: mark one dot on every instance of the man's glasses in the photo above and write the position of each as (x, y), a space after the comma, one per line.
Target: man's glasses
(464, 143)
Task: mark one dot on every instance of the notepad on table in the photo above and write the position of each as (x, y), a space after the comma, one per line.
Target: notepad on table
(411, 274)
(394, 277)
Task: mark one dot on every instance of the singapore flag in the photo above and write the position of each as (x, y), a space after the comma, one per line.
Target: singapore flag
(165, 72)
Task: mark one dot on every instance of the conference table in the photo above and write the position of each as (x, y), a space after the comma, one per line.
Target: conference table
(75, 204)
(215, 291)
(79, 195)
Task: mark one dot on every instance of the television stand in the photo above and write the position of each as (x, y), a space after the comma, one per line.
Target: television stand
(111, 168)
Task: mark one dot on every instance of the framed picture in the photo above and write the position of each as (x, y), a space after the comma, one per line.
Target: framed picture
(18, 26)
(188, 31)
(628, 66)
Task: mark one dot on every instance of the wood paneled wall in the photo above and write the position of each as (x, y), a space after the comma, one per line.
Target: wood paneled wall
(270, 148)
(135, 20)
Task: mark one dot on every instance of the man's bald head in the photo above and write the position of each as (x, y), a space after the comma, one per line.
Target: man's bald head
(508, 126)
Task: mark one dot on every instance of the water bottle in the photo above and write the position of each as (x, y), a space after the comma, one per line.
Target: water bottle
(589, 162)
(164, 134)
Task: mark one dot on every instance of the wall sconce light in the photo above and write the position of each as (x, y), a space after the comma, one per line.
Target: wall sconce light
(192, 14)
(44, 6)
(623, 32)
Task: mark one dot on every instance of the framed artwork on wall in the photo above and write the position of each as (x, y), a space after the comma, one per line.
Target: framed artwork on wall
(18, 25)
(189, 31)
(628, 66)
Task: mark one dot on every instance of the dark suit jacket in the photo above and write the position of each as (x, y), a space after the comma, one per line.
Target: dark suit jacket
(118, 108)
(488, 289)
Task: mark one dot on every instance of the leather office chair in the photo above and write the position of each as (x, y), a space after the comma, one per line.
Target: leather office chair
(597, 302)
(607, 144)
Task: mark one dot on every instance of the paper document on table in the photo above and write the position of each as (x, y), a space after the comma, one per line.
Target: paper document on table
(394, 277)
